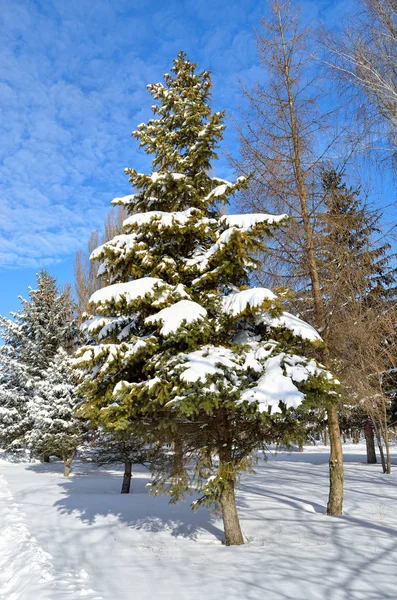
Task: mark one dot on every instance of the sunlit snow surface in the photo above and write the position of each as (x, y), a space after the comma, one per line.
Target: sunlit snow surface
(80, 538)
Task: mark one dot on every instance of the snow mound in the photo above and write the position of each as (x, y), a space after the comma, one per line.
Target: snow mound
(173, 316)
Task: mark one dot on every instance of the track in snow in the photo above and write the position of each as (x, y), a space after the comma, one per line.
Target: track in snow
(26, 570)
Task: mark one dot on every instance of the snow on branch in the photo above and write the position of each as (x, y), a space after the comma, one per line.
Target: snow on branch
(236, 303)
(165, 219)
(124, 200)
(130, 291)
(249, 221)
(173, 316)
(208, 361)
(298, 327)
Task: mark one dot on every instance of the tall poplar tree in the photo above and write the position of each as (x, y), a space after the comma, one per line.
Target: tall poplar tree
(183, 345)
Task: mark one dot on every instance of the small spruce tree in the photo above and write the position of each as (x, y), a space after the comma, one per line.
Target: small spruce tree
(32, 338)
(183, 344)
(54, 428)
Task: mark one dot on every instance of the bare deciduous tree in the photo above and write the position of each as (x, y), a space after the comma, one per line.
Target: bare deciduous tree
(85, 272)
(285, 142)
(364, 58)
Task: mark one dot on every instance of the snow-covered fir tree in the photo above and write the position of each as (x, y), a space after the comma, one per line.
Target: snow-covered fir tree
(184, 345)
(32, 338)
(54, 429)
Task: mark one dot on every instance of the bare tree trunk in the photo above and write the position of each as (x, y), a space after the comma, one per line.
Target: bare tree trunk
(336, 476)
(370, 443)
(336, 471)
(125, 488)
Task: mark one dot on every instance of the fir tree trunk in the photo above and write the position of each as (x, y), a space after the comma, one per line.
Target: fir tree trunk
(68, 464)
(370, 443)
(177, 459)
(326, 436)
(125, 488)
(231, 523)
(45, 458)
(356, 436)
(336, 472)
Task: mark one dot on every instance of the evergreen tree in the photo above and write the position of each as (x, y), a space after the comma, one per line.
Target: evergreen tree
(32, 337)
(54, 428)
(359, 286)
(184, 346)
(351, 257)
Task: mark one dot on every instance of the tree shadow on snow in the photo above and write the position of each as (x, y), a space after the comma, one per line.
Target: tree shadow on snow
(94, 493)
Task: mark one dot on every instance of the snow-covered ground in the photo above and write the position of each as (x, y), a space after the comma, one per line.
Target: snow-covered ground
(80, 538)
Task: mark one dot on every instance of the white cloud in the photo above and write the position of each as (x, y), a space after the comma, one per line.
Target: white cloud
(73, 79)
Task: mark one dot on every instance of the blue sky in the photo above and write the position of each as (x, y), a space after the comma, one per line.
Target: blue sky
(73, 79)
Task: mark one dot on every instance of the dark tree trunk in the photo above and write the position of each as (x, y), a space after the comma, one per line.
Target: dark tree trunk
(370, 442)
(45, 458)
(388, 457)
(231, 523)
(336, 471)
(380, 446)
(356, 436)
(125, 488)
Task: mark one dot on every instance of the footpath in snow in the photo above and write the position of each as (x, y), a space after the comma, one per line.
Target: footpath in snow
(26, 570)
(80, 537)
